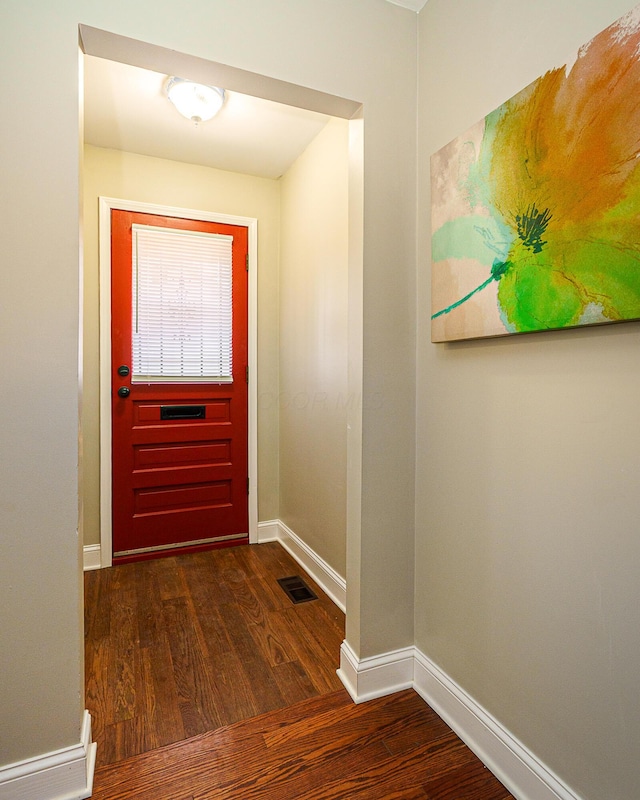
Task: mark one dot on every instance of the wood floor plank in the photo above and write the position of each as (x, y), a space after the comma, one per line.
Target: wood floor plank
(152, 737)
(384, 776)
(124, 660)
(205, 598)
(170, 576)
(278, 719)
(271, 637)
(97, 608)
(97, 693)
(413, 793)
(293, 682)
(206, 572)
(431, 727)
(243, 595)
(234, 694)
(289, 779)
(193, 681)
(386, 710)
(393, 777)
(320, 667)
(228, 686)
(471, 782)
(162, 710)
(149, 600)
(265, 584)
(266, 694)
(127, 736)
(322, 626)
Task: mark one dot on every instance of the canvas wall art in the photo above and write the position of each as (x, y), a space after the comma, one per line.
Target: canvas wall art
(536, 208)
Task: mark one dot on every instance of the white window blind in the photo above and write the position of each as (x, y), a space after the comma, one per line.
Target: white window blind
(181, 306)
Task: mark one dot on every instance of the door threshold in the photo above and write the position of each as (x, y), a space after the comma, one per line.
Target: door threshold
(164, 551)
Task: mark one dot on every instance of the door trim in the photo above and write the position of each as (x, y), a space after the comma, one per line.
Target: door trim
(106, 204)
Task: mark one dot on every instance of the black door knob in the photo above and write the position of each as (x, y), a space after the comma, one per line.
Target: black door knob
(123, 371)
(124, 391)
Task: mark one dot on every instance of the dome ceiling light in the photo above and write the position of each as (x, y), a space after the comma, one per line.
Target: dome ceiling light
(195, 101)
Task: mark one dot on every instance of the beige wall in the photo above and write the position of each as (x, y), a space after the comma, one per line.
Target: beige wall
(40, 627)
(128, 176)
(527, 552)
(314, 343)
(333, 47)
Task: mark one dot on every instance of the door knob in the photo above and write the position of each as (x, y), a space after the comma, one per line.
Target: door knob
(123, 371)
(124, 391)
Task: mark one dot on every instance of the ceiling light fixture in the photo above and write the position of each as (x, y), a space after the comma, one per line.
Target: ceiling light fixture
(194, 101)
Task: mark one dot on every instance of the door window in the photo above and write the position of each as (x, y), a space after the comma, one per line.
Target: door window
(182, 306)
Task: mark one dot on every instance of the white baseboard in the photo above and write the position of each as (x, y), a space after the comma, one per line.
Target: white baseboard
(65, 774)
(268, 531)
(523, 774)
(377, 676)
(322, 573)
(91, 556)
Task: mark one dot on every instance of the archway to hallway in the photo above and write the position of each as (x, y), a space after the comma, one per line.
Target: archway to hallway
(302, 401)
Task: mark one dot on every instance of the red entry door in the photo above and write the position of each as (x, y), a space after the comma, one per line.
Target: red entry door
(179, 442)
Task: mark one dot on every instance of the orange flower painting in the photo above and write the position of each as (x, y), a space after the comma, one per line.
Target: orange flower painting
(536, 209)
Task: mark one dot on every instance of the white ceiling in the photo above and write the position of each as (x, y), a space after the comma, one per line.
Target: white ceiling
(126, 109)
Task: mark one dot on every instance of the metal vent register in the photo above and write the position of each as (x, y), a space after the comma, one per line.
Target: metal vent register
(296, 589)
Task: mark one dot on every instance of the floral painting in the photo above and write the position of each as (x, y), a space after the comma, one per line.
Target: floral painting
(536, 209)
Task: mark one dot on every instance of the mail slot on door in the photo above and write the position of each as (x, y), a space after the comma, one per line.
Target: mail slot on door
(182, 412)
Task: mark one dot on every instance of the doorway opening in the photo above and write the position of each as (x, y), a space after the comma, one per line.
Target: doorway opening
(101, 45)
(302, 405)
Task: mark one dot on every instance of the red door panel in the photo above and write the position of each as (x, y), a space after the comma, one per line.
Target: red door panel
(179, 450)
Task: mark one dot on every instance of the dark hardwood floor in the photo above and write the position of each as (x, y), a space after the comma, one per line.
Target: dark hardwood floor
(325, 748)
(205, 682)
(178, 646)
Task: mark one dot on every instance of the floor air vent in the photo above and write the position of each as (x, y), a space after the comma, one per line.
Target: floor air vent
(296, 589)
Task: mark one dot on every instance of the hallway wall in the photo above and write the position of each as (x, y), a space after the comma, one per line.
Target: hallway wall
(527, 546)
(314, 391)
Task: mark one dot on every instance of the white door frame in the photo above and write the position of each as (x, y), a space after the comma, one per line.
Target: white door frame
(106, 205)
